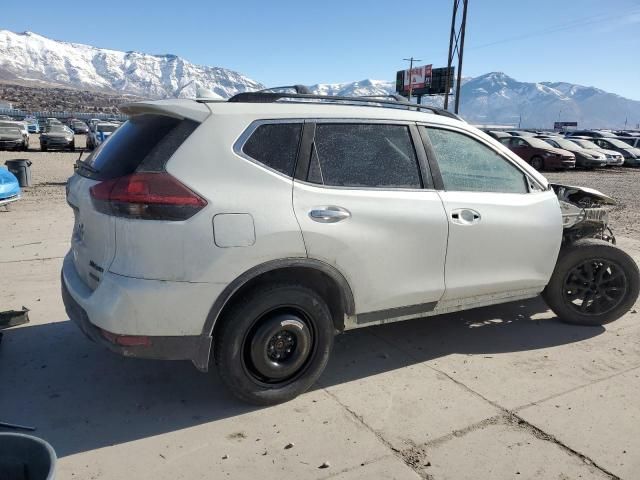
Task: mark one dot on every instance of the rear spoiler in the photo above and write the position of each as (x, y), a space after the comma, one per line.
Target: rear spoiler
(176, 108)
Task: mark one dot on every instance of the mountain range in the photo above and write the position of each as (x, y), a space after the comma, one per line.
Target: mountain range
(31, 59)
(494, 98)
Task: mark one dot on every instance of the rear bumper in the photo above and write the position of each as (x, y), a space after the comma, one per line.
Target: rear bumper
(11, 145)
(56, 143)
(111, 316)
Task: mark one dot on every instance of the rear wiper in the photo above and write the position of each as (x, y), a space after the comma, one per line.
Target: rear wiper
(83, 164)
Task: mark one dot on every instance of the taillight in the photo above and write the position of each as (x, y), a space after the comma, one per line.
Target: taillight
(147, 196)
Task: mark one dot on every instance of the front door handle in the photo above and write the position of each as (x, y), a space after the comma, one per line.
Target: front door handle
(329, 214)
(465, 216)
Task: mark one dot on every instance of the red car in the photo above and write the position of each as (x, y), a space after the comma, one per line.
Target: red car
(539, 154)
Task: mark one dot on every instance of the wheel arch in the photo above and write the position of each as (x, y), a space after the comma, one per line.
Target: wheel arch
(314, 273)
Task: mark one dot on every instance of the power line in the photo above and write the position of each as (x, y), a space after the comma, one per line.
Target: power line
(590, 20)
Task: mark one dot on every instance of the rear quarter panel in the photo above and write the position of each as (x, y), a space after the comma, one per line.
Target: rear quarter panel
(186, 251)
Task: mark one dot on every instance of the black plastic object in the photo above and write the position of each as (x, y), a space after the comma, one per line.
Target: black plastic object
(23, 457)
(21, 168)
(13, 318)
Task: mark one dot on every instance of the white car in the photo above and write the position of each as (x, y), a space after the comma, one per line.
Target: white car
(245, 233)
(22, 126)
(99, 133)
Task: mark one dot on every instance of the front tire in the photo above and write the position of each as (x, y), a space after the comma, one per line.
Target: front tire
(274, 343)
(537, 163)
(593, 283)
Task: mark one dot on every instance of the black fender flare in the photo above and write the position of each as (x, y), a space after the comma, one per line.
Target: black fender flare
(282, 264)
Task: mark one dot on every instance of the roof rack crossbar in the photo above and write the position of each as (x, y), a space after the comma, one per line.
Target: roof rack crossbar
(373, 100)
(297, 88)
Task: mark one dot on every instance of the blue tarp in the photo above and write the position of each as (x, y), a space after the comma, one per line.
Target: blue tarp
(8, 184)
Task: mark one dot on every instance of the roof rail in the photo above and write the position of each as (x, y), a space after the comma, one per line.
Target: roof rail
(381, 101)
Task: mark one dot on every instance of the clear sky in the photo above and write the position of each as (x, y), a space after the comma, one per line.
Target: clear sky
(589, 42)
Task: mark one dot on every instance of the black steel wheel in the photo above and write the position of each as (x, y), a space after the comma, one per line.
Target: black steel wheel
(273, 343)
(279, 346)
(593, 283)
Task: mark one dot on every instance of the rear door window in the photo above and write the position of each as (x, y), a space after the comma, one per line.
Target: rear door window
(364, 155)
(144, 142)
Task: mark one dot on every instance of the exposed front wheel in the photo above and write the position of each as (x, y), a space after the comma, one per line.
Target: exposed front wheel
(593, 283)
(274, 343)
(537, 163)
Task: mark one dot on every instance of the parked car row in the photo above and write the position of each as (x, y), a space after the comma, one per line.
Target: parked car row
(54, 134)
(579, 148)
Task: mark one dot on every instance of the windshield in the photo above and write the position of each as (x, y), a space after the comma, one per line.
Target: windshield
(107, 128)
(586, 144)
(617, 143)
(536, 142)
(562, 143)
(9, 130)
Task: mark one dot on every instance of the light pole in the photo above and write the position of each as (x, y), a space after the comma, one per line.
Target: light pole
(411, 60)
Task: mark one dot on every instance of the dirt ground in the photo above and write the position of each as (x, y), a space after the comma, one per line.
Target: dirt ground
(502, 392)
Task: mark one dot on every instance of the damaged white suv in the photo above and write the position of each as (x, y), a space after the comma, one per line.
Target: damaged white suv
(245, 233)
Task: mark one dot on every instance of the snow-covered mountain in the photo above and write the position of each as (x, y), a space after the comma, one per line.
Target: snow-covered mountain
(363, 87)
(496, 98)
(32, 59)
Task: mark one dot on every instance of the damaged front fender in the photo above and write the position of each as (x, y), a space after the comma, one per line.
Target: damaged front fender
(584, 212)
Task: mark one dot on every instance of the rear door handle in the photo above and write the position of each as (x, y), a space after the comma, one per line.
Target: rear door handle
(329, 214)
(465, 216)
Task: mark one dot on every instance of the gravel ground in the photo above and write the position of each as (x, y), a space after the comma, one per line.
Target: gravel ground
(50, 171)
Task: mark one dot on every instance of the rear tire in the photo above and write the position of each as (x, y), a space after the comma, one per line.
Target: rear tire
(274, 343)
(537, 163)
(593, 283)
(43, 149)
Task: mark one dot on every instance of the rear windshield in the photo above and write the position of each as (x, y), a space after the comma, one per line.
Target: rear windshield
(143, 142)
(107, 128)
(57, 128)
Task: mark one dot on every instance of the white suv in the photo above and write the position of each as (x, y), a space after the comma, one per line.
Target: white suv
(246, 233)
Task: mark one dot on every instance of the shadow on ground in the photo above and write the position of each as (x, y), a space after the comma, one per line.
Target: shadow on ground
(82, 397)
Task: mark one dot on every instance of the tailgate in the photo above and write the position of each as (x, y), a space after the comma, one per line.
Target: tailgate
(93, 242)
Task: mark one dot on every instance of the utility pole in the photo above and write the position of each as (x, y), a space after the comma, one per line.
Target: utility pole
(456, 47)
(411, 60)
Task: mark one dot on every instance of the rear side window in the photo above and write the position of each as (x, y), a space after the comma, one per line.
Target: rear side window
(275, 145)
(364, 155)
(144, 142)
